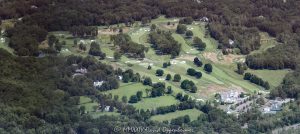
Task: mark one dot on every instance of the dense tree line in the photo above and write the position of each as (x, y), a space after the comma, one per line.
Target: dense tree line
(228, 19)
(279, 57)
(164, 43)
(129, 76)
(189, 86)
(128, 47)
(84, 31)
(96, 51)
(290, 87)
(256, 80)
(25, 39)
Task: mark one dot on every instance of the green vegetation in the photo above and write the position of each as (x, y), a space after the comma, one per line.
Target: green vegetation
(192, 113)
(128, 90)
(49, 95)
(152, 103)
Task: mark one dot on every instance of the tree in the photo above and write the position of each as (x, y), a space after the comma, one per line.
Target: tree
(58, 46)
(82, 47)
(169, 90)
(159, 72)
(187, 20)
(147, 81)
(165, 65)
(191, 72)
(208, 68)
(52, 40)
(266, 85)
(187, 85)
(149, 67)
(95, 50)
(197, 62)
(124, 99)
(126, 77)
(179, 96)
(168, 77)
(194, 89)
(75, 42)
(95, 108)
(139, 95)
(198, 75)
(153, 27)
(199, 44)
(177, 78)
(181, 29)
(82, 109)
(133, 99)
(116, 97)
(189, 34)
(241, 68)
(117, 56)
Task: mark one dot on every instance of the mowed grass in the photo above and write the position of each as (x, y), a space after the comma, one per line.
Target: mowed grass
(99, 114)
(87, 103)
(89, 108)
(192, 113)
(199, 31)
(274, 77)
(153, 103)
(129, 89)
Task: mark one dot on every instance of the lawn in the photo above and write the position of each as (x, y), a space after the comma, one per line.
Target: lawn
(199, 31)
(98, 114)
(128, 89)
(87, 103)
(192, 113)
(152, 103)
(274, 77)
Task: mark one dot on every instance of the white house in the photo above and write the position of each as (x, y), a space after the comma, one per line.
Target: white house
(106, 109)
(98, 83)
(2, 40)
(81, 70)
(204, 19)
(231, 42)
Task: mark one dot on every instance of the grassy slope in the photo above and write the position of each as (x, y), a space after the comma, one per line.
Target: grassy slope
(152, 103)
(129, 89)
(274, 77)
(193, 113)
(223, 75)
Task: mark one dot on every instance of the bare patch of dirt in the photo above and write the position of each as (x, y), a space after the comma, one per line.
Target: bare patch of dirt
(112, 31)
(172, 26)
(225, 59)
(44, 45)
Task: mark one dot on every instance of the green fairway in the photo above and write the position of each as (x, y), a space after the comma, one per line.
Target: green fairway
(192, 113)
(152, 103)
(199, 31)
(129, 89)
(222, 75)
(186, 48)
(274, 77)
